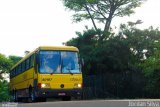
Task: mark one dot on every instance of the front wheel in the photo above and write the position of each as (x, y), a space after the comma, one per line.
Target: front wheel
(15, 97)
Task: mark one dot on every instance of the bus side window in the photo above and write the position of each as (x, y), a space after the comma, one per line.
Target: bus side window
(20, 68)
(27, 64)
(31, 61)
(23, 66)
(15, 71)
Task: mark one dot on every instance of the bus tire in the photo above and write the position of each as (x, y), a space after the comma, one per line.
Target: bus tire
(14, 96)
(32, 96)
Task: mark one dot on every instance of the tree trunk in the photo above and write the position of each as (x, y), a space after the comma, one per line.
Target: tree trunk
(91, 18)
(108, 24)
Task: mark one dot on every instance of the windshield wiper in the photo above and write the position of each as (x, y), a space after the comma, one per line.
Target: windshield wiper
(70, 71)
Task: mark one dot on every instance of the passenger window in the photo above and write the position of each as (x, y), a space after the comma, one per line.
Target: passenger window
(27, 64)
(15, 71)
(20, 68)
(31, 61)
(23, 66)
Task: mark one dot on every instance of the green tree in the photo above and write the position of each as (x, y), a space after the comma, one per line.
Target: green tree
(5, 65)
(151, 69)
(14, 59)
(87, 43)
(102, 11)
(123, 53)
(141, 42)
(112, 56)
(4, 91)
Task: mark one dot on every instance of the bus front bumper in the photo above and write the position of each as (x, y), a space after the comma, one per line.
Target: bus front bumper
(45, 92)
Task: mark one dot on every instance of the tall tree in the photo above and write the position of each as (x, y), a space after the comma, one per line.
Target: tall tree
(102, 11)
(123, 53)
(5, 65)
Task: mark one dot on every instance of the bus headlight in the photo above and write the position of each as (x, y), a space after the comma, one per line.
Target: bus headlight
(43, 85)
(79, 85)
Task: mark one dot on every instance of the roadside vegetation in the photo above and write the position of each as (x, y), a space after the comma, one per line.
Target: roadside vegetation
(5, 65)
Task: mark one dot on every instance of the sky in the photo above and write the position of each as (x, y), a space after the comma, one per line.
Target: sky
(28, 24)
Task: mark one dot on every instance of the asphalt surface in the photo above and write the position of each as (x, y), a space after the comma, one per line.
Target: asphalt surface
(92, 103)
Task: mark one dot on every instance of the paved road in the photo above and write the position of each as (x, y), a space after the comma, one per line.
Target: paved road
(94, 103)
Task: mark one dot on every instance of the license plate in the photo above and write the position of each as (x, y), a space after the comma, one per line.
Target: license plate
(61, 94)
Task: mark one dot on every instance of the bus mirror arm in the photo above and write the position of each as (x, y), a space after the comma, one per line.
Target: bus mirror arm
(82, 61)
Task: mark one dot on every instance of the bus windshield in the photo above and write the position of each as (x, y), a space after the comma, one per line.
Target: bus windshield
(59, 62)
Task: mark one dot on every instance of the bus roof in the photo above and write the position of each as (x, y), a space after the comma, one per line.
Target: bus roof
(64, 48)
(70, 48)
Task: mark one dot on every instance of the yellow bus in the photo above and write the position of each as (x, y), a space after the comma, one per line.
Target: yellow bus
(48, 71)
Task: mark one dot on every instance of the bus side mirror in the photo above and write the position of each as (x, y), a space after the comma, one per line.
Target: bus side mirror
(82, 61)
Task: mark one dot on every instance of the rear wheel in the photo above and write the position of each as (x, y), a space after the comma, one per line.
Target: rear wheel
(14, 96)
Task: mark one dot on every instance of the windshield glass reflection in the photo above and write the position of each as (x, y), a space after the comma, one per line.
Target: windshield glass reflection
(70, 62)
(50, 62)
(59, 62)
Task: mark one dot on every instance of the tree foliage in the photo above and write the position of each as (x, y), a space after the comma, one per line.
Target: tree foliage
(130, 52)
(5, 65)
(151, 68)
(141, 42)
(14, 59)
(102, 11)
(4, 91)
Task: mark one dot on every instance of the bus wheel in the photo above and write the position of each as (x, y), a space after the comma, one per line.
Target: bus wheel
(32, 95)
(14, 96)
